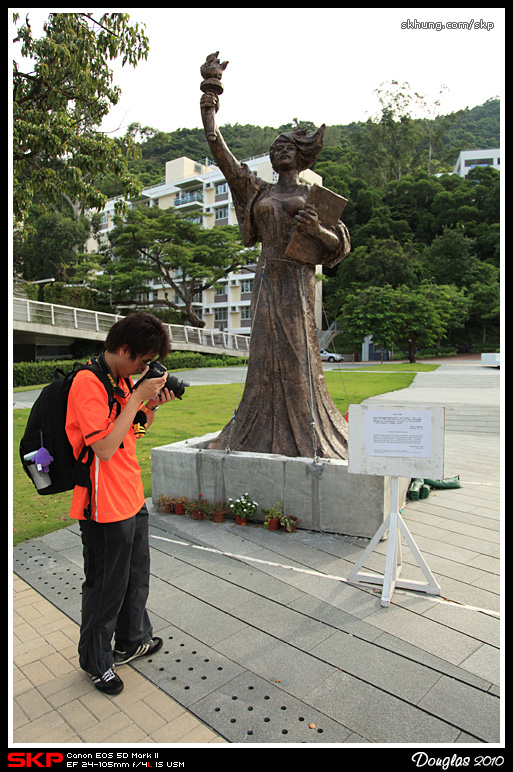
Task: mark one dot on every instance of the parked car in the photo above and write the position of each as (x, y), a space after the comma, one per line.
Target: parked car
(329, 356)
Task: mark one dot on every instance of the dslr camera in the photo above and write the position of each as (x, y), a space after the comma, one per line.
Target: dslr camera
(174, 384)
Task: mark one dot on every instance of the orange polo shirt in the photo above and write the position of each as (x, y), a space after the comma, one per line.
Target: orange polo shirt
(117, 489)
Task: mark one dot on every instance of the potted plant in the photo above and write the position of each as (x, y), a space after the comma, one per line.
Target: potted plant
(166, 504)
(219, 511)
(289, 522)
(243, 508)
(272, 517)
(197, 507)
(180, 505)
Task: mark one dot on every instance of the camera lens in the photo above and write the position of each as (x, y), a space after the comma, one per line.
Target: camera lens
(177, 386)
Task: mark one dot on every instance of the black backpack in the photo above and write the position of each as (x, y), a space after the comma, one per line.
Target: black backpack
(46, 427)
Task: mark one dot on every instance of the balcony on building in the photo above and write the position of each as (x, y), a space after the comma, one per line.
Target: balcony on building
(189, 200)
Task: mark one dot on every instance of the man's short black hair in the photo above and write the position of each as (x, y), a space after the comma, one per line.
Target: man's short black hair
(141, 332)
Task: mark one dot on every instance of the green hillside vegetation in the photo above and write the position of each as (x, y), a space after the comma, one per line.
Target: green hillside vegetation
(466, 130)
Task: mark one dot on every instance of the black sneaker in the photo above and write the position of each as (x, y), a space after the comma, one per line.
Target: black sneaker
(141, 650)
(108, 682)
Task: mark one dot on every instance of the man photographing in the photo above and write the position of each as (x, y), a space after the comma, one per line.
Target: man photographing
(115, 538)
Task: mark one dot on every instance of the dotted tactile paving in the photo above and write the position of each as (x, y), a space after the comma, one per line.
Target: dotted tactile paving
(185, 668)
(250, 709)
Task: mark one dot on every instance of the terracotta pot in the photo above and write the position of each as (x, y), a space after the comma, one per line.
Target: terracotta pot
(179, 509)
(197, 514)
(218, 517)
(292, 526)
(273, 523)
(240, 521)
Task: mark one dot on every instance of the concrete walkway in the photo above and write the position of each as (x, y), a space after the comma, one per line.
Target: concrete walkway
(265, 641)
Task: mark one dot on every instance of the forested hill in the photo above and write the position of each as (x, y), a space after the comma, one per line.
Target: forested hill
(448, 135)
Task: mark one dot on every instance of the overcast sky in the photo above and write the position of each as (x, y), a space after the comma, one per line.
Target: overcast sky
(317, 64)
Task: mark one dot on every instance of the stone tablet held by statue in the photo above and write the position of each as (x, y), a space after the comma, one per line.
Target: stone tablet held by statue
(329, 208)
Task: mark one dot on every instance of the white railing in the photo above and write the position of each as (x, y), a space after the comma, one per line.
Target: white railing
(83, 320)
(35, 312)
(203, 337)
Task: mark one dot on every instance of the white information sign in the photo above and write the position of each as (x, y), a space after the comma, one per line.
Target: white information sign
(397, 441)
(398, 433)
(402, 440)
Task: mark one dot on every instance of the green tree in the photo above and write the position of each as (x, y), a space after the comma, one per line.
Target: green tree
(383, 261)
(485, 294)
(411, 200)
(49, 246)
(403, 318)
(484, 183)
(187, 258)
(450, 258)
(59, 97)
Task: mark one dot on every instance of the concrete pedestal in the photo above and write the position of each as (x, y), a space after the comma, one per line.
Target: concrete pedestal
(323, 495)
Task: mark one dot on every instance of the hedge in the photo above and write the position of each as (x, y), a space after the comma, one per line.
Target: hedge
(37, 373)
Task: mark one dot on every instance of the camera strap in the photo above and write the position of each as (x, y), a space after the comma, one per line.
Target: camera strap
(140, 421)
(102, 364)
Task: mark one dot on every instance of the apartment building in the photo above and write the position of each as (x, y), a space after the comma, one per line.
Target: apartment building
(200, 189)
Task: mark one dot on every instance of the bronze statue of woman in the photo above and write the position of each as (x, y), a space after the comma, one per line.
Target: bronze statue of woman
(286, 407)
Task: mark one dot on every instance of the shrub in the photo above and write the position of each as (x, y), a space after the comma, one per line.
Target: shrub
(36, 373)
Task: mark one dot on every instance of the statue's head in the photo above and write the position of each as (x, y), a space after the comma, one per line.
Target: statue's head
(296, 149)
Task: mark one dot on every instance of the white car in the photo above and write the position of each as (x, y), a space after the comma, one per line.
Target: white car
(329, 356)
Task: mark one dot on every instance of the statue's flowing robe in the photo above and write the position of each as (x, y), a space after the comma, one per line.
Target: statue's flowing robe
(286, 407)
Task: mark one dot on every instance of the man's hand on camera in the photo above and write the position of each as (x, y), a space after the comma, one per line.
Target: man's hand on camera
(165, 396)
(149, 388)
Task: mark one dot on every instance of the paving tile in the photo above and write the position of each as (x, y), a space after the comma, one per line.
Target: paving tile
(481, 627)
(184, 725)
(41, 729)
(485, 663)
(284, 623)
(37, 673)
(33, 704)
(381, 667)
(475, 712)
(377, 716)
(195, 617)
(118, 727)
(218, 592)
(275, 661)
(145, 717)
(318, 609)
(435, 663)
(78, 717)
(437, 639)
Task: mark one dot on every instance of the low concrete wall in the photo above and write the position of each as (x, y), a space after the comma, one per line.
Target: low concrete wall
(324, 496)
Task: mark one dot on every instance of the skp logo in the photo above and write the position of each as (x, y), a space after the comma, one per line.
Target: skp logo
(40, 759)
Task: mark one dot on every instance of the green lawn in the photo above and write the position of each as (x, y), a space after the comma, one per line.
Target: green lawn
(204, 409)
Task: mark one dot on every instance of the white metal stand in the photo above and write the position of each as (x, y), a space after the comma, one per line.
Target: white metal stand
(393, 564)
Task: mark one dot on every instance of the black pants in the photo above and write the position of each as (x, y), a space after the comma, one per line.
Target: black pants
(115, 591)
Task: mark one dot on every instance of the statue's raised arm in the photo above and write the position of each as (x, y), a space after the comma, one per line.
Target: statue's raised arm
(212, 71)
(244, 186)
